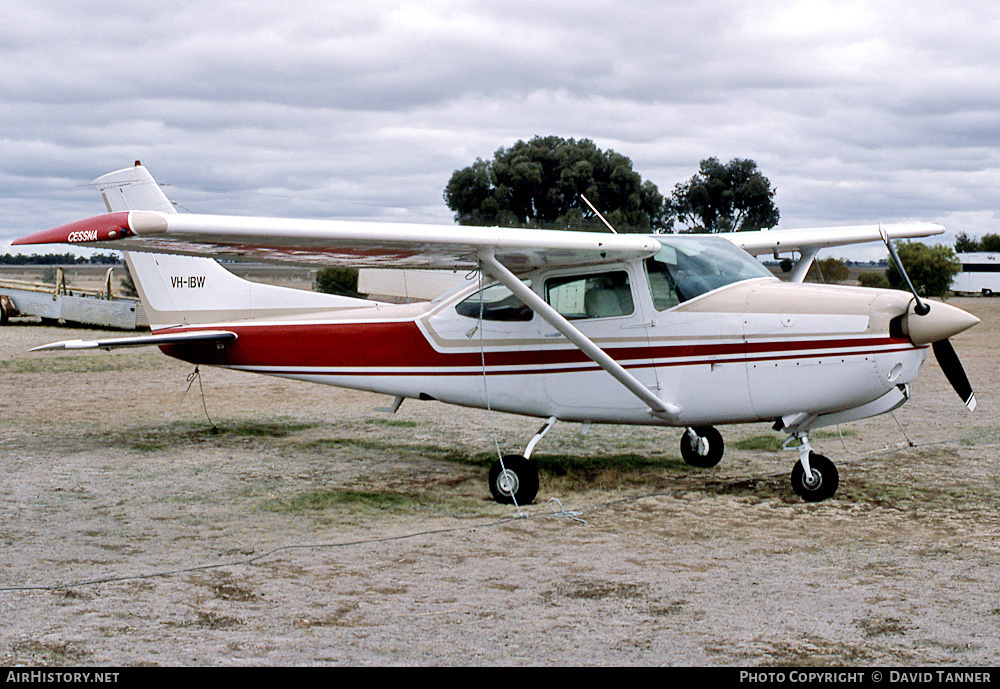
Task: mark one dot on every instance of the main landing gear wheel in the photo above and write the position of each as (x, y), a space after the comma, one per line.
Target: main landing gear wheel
(702, 447)
(515, 480)
(823, 482)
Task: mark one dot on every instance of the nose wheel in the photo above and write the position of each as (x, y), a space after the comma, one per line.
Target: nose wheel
(818, 481)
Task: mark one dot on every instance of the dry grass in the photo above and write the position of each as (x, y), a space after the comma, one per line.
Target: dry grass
(308, 529)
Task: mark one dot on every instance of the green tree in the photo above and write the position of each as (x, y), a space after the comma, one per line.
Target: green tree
(538, 183)
(337, 280)
(724, 198)
(831, 271)
(964, 243)
(990, 242)
(931, 268)
(874, 279)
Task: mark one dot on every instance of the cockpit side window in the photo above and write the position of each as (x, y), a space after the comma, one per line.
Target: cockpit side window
(592, 295)
(662, 287)
(495, 303)
(686, 267)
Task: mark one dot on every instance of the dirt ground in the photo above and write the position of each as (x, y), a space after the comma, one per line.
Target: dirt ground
(309, 528)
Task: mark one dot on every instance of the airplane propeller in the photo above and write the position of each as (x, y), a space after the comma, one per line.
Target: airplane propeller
(935, 330)
(948, 361)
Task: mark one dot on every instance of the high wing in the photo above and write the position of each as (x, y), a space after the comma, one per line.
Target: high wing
(334, 242)
(142, 219)
(808, 242)
(375, 244)
(804, 240)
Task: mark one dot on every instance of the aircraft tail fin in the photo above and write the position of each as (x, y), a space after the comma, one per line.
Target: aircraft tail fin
(132, 189)
(188, 290)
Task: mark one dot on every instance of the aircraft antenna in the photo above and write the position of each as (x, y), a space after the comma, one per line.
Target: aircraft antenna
(598, 214)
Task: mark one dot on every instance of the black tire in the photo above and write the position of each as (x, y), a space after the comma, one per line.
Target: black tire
(824, 483)
(516, 480)
(716, 447)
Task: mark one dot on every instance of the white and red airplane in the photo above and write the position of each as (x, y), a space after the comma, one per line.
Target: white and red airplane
(688, 331)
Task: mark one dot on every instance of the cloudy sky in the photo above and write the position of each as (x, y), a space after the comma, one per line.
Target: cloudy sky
(857, 112)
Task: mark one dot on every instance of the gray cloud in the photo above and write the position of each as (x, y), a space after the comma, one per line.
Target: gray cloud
(858, 112)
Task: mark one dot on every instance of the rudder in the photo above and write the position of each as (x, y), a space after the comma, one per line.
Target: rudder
(132, 189)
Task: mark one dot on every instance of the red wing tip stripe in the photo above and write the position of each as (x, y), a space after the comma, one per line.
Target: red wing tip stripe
(102, 228)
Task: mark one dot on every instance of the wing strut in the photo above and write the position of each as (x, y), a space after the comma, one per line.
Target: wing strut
(804, 263)
(586, 345)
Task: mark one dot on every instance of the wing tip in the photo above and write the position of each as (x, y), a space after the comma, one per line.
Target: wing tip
(64, 344)
(100, 228)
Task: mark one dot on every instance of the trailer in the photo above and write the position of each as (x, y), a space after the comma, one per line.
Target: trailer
(980, 273)
(60, 303)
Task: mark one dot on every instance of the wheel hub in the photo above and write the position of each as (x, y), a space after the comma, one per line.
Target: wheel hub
(507, 482)
(813, 481)
(697, 444)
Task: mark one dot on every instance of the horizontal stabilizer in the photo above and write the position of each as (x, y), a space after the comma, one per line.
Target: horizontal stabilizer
(143, 340)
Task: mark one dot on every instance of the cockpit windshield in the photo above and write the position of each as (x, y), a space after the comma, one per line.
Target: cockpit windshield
(689, 265)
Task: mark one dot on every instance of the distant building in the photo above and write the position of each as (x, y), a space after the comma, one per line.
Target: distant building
(980, 273)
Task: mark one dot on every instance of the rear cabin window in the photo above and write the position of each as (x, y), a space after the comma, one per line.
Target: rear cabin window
(495, 303)
(593, 295)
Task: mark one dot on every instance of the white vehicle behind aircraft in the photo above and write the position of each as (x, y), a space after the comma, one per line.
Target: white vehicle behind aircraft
(980, 273)
(689, 331)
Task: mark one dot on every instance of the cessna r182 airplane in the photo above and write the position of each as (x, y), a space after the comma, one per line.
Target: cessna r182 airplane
(689, 331)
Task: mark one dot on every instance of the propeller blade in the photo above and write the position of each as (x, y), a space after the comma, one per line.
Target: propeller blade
(953, 371)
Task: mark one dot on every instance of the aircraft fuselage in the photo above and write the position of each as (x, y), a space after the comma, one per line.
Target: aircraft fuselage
(753, 350)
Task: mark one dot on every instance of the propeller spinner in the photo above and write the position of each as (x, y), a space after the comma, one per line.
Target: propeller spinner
(924, 325)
